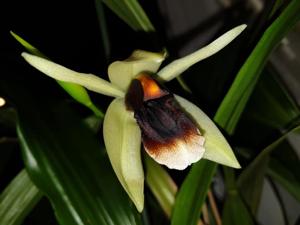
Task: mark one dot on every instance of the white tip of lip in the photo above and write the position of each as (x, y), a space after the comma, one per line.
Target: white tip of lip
(181, 154)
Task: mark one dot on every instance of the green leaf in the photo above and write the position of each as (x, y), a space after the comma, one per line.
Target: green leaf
(234, 102)
(231, 108)
(271, 103)
(250, 182)
(103, 28)
(278, 4)
(161, 185)
(235, 212)
(286, 176)
(17, 200)
(132, 13)
(65, 161)
(252, 179)
(189, 200)
(74, 90)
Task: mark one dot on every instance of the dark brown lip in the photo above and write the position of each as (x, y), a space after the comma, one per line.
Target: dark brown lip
(166, 128)
(163, 123)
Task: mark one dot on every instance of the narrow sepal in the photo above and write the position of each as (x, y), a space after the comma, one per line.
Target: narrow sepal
(61, 73)
(122, 139)
(178, 66)
(76, 91)
(216, 147)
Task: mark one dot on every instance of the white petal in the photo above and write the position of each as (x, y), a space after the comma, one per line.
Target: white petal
(122, 138)
(216, 147)
(182, 154)
(122, 72)
(178, 66)
(61, 73)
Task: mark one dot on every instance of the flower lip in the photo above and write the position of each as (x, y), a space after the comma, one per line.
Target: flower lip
(169, 135)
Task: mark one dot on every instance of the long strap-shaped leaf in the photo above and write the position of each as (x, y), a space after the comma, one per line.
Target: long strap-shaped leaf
(228, 115)
(64, 160)
(235, 100)
(251, 188)
(17, 200)
(161, 185)
(192, 193)
(285, 176)
(132, 13)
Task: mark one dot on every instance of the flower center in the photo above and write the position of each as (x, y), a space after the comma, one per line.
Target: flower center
(143, 88)
(151, 88)
(169, 135)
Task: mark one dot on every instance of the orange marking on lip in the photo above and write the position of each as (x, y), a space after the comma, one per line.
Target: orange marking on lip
(150, 87)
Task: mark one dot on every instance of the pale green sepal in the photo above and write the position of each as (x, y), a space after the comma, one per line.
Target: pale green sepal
(122, 138)
(178, 66)
(216, 147)
(121, 73)
(61, 73)
(76, 91)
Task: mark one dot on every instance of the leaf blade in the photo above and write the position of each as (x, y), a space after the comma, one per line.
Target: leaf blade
(131, 12)
(161, 185)
(192, 194)
(234, 211)
(76, 181)
(251, 189)
(17, 200)
(234, 102)
(230, 110)
(285, 177)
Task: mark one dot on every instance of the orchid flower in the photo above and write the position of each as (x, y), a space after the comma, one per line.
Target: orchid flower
(173, 131)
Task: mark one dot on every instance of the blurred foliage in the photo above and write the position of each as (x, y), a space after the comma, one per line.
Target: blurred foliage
(18, 199)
